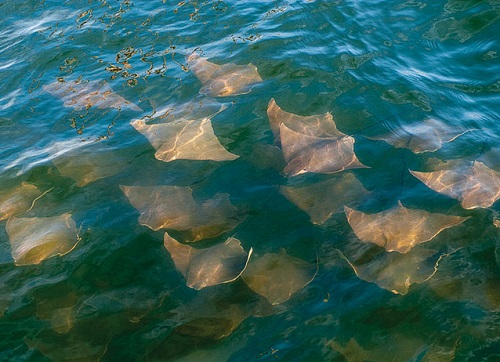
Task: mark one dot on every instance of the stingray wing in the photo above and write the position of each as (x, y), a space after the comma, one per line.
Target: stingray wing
(18, 200)
(221, 263)
(399, 229)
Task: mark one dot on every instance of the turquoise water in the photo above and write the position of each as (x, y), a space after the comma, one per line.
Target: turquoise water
(377, 66)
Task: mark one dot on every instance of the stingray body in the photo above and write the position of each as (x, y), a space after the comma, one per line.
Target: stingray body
(85, 95)
(173, 207)
(33, 240)
(399, 229)
(17, 200)
(472, 183)
(323, 199)
(426, 136)
(277, 276)
(312, 143)
(184, 139)
(223, 80)
(218, 264)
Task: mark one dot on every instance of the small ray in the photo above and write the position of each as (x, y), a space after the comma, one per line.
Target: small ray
(320, 125)
(304, 153)
(85, 95)
(399, 229)
(323, 199)
(393, 271)
(184, 140)
(218, 264)
(18, 200)
(427, 136)
(223, 80)
(473, 184)
(86, 166)
(277, 277)
(173, 207)
(33, 240)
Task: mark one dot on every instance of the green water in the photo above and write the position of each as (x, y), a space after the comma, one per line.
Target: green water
(377, 66)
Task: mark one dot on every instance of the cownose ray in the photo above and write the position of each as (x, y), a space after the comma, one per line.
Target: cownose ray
(173, 207)
(218, 264)
(87, 165)
(304, 153)
(35, 239)
(426, 136)
(223, 80)
(18, 200)
(85, 95)
(393, 271)
(321, 200)
(474, 184)
(399, 229)
(311, 143)
(319, 125)
(278, 276)
(184, 139)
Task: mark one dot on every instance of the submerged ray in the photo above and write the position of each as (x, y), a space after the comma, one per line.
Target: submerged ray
(277, 277)
(399, 229)
(392, 271)
(304, 153)
(320, 125)
(323, 199)
(18, 200)
(427, 136)
(85, 95)
(33, 240)
(86, 165)
(218, 264)
(173, 207)
(184, 140)
(223, 80)
(473, 184)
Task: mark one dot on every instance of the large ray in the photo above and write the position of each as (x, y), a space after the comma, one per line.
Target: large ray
(323, 199)
(85, 95)
(173, 207)
(223, 80)
(33, 240)
(88, 165)
(426, 136)
(184, 139)
(320, 125)
(304, 153)
(18, 200)
(221, 263)
(399, 229)
(392, 271)
(278, 276)
(472, 183)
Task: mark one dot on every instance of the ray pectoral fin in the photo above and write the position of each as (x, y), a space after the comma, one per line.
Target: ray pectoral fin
(222, 263)
(202, 68)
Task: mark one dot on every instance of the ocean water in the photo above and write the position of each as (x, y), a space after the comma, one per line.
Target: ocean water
(381, 68)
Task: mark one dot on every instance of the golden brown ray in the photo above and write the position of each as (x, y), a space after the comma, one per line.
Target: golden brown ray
(320, 125)
(399, 229)
(221, 263)
(323, 199)
(18, 200)
(87, 166)
(173, 207)
(473, 184)
(223, 80)
(304, 153)
(394, 272)
(278, 276)
(33, 240)
(427, 136)
(85, 95)
(184, 139)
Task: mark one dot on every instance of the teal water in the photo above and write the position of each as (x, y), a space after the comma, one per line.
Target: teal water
(377, 66)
